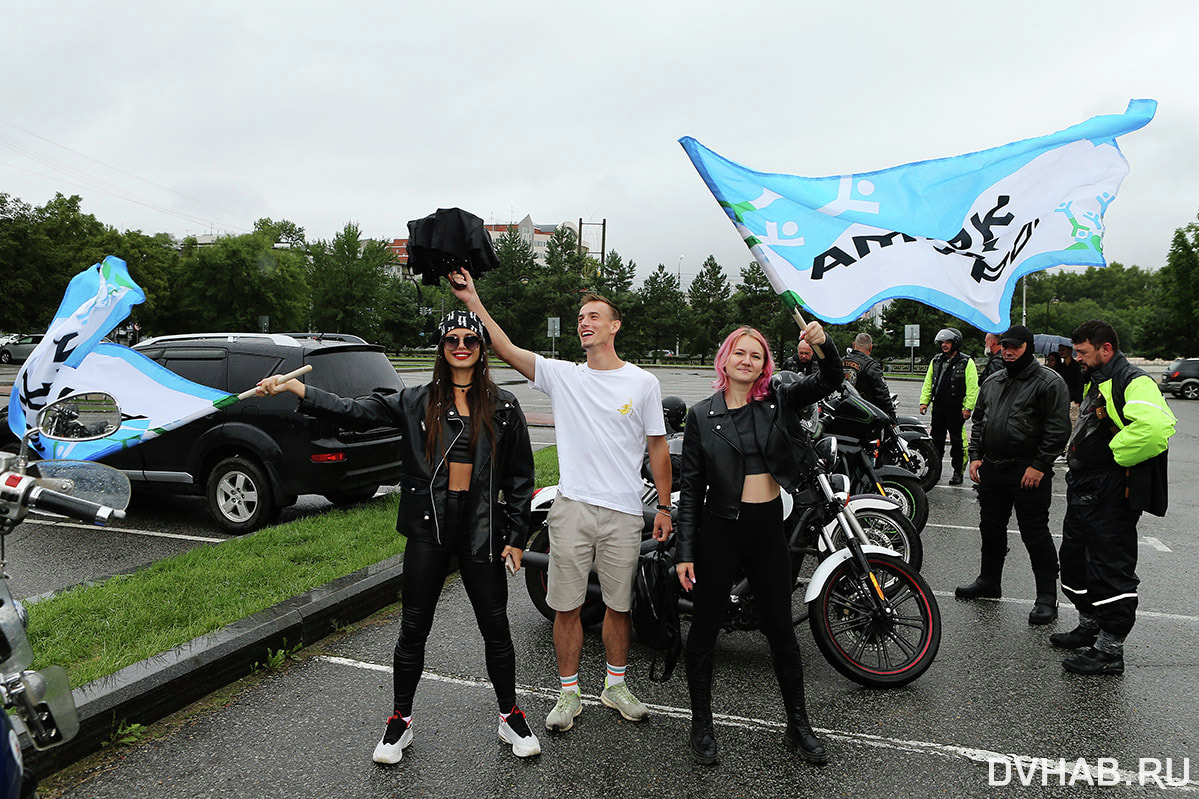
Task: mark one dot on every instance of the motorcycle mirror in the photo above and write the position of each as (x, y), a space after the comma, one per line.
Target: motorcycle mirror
(46, 707)
(80, 417)
(826, 450)
(15, 652)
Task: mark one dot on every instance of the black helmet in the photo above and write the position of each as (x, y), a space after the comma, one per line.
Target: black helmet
(950, 334)
(674, 411)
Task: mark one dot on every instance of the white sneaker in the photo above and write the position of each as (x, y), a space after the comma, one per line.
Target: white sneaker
(515, 730)
(396, 737)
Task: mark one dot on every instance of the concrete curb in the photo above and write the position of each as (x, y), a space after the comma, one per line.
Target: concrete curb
(147, 691)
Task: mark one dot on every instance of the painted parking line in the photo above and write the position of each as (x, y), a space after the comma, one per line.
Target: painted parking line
(150, 533)
(971, 488)
(1145, 540)
(1027, 763)
(1066, 606)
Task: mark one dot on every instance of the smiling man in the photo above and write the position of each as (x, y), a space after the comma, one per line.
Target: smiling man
(606, 413)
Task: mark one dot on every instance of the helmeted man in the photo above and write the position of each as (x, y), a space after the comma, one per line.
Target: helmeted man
(1117, 461)
(994, 357)
(801, 362)
(1021, 424)
(950, 387)
(866, 374)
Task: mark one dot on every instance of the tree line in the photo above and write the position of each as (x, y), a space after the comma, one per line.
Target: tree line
(344, 285)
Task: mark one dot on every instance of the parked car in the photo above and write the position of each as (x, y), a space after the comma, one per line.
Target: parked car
(18, 347)
(1182, 378)
(255, 457)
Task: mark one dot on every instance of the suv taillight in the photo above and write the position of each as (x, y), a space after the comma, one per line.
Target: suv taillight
(327, 457)
(1175, 375)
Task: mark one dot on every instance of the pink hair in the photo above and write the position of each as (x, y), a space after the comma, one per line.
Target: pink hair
(761, 385)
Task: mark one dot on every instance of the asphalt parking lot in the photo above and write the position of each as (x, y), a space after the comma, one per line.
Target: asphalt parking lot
(996, 706)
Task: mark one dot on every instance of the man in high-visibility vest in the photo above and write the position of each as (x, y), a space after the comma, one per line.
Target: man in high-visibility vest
(951, 387)
(1117, 461)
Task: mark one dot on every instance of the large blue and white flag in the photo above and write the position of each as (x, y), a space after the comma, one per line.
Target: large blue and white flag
(954, 233)
(72, 358)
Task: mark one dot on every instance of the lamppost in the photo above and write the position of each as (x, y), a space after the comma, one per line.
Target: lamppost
(1051, 301)
(676, 338)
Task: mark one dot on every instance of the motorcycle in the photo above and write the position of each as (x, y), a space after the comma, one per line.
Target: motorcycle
(863, 432)
(91, 492)
(924, 459)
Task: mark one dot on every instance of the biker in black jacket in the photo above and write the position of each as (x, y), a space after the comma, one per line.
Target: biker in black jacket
(741, 446)
(866, 375)
(467, 487)
(1021, 424)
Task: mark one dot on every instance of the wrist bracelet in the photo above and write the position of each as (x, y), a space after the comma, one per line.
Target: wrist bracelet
(664, 507)
(663, 510)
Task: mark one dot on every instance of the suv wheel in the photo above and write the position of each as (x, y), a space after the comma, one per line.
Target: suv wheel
(1189, 391)
(239, 496)
(5, 356)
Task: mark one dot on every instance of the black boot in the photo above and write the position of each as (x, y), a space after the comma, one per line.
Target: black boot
(699, 684)
(956, 479)
(799, 736)
(981, 587)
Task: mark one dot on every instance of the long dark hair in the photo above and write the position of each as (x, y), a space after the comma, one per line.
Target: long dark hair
(480, 398)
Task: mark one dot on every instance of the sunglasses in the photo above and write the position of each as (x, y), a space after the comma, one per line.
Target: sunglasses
(470, 342)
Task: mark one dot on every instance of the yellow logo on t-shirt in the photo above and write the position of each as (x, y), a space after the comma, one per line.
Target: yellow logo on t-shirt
(626, 409)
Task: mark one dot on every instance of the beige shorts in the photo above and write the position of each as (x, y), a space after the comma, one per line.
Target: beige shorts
(582, 535)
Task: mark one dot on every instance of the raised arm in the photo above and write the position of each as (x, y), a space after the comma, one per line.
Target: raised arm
(519, 359)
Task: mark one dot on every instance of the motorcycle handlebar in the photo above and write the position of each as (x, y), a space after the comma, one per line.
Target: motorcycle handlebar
(82, 509)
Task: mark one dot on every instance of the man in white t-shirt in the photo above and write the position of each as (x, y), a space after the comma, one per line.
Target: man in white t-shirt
(606, 413)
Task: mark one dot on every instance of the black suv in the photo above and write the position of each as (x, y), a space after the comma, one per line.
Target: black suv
(252, 459)
(1182, 378)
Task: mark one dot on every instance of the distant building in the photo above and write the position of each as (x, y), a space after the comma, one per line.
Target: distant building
(535, 235)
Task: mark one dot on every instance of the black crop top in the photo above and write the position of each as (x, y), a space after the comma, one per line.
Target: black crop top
(460, 449)
(743, 420)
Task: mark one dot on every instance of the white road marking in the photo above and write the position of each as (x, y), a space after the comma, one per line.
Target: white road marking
(970, 488)
(1067, 606)
(1145, 540)
(151, 533)
(948, 751)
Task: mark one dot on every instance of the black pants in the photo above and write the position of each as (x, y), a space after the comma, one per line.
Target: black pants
(1099, 550)
(756, 543)
(949, 422)
(425, 568)
(998, 492)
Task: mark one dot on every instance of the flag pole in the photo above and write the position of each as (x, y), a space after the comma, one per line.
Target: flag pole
(303, 370)
(791, 300)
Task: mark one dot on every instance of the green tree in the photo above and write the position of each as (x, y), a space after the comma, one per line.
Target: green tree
(662, 309)
(1179, 295)
(347, 278)
(708, 315)
(755, 304)
(281, 232)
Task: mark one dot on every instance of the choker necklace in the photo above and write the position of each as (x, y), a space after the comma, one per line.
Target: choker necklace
(461, 385)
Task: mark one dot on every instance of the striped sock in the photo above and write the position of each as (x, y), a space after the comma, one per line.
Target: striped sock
(570, 683)
(615, 675)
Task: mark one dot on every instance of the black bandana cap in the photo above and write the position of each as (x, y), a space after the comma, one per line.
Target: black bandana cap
(467, 320)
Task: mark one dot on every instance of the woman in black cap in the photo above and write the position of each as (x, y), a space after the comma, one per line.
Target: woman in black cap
(464, 443)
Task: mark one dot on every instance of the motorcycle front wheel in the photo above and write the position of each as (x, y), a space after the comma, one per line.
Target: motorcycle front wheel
(927, 463)
(877, 647)
(890, 529)
(912, 500)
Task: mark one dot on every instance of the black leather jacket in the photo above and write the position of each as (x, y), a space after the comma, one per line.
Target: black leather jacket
(501, 483)
(713, 469)
(1021, 420)
(866, 375)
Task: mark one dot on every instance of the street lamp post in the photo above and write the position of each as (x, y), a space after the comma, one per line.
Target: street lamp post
(1050, 301)
(676, 338)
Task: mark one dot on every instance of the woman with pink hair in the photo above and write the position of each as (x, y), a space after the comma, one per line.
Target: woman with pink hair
(741, 448)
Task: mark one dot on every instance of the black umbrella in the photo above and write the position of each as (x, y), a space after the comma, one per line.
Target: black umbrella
(448, 240)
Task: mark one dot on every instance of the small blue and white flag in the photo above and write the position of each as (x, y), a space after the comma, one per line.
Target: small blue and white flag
(72, 358)
(954, 233)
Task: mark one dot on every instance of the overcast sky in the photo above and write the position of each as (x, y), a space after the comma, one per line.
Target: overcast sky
(206, 116)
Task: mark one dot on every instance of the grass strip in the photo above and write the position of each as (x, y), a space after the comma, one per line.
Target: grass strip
(96, 630)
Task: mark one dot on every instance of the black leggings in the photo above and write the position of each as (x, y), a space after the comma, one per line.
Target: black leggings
(756, 544)
(425, 568)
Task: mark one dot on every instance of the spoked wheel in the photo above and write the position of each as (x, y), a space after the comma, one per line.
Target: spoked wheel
(537, 582)
(878, 648)
(911, 497)
(890, 529)
(927, 463)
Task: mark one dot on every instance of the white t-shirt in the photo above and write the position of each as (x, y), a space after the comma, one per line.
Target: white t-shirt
(601, 419)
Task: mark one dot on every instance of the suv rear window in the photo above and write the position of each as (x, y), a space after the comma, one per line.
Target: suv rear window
(353, 373)
(1176, 365)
